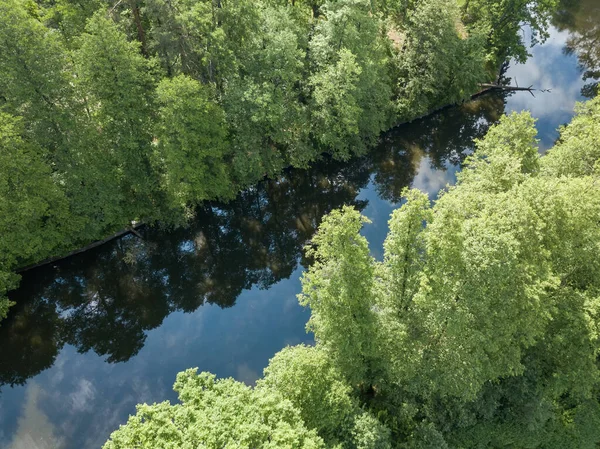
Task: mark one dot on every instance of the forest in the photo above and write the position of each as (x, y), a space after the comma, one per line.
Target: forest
(479, 328)
(137, 111)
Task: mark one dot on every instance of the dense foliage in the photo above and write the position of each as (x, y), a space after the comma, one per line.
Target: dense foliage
(479, 328)
(114, 111)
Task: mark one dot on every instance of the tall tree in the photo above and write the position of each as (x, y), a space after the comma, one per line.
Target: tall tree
(69, 16)
(191, 147)
(33, 79)
(577, 151)
(350, 87)
(307, 377)
(117, 83)
(263, 103)
(501, 22)
(34, 213)
(36, 85)
(438, 63)
(339, 288)
(399, 280)
(203, 39)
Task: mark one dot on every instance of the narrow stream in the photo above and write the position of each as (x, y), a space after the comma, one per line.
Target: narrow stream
(93, 335)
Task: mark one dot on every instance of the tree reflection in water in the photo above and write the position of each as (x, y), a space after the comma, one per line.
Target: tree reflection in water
(581, 18)
(106, 300)
(446, 138)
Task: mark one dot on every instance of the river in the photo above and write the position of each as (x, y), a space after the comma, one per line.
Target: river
(93, 335)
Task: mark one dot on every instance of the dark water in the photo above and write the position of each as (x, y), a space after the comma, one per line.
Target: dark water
(93, 335)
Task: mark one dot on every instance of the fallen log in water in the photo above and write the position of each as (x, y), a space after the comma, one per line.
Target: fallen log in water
(529, 89)
(130, 230)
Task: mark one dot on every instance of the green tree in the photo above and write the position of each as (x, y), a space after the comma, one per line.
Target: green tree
(204, 39)
(496, 305)
(486, 305)
(502, 162)
(33, 210)
(336, 112)
(307, 377)
(350, 88)
(37, 85)
(263, 104)
(577, 152)
(501, 21)
(405, 247)
(547, 400)
(214, 414)
(68, 16)
(34, 82)
(339, 288)
(399, 279)
(436, 65)
(191, 147)
(117, 83)
(369, 433)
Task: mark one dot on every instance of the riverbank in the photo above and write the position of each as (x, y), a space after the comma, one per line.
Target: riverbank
(134, 227)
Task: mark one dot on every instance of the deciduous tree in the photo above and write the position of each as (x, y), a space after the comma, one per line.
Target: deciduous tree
(191, 143)
(216, 414)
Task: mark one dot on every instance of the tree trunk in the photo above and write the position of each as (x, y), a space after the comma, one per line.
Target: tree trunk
(135, 10)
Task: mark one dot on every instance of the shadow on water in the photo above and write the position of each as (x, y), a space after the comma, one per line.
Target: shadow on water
(106, 300)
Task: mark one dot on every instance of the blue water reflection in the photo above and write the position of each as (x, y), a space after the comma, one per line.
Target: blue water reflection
(550, 67)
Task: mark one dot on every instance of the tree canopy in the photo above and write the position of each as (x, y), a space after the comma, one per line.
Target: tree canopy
(216, 413)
